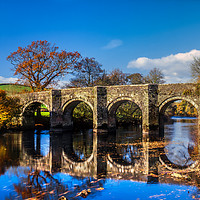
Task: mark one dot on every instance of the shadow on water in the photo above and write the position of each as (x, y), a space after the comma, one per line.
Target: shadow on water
(97, 164)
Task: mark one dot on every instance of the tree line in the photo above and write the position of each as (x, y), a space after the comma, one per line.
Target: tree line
(93, 75)
(41, 64)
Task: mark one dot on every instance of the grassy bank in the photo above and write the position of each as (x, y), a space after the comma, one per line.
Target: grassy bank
(14, 88)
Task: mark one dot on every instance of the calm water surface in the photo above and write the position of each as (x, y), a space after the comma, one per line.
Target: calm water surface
(122, 165)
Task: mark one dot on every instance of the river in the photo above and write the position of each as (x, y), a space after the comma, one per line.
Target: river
(125, 164)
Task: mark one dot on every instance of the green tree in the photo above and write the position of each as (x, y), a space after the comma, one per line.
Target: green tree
(128, 112)
(86, 77)
(155, 76)
(83, 114)
(103, 80)
(136, 78)
(117, 77)
(40, 64)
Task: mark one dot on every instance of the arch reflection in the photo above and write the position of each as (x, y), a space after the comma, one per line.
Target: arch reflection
(181, 143)
(78, 145)
(127, 146)
(36, 144)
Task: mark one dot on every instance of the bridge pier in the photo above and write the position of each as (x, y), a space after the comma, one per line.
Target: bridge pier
(100, 112)
(56, 114)
(151, 112)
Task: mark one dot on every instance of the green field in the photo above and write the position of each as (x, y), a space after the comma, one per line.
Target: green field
(14, 88)
(44, 114)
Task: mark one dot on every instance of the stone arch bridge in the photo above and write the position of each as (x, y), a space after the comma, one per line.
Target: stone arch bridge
(103, 101)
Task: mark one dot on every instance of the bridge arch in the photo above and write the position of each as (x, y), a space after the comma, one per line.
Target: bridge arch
(33, 102)
(168, 101)
(74, 162)
(163, 106)
(85, 168)
(73, 103)
(114, 105)
(173, 167)
(113, 166)
(28, 114)
(68, 108)
(163, 158)
(41, 163)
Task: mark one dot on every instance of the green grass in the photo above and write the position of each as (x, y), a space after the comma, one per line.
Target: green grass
(44, 114)
(14, 88)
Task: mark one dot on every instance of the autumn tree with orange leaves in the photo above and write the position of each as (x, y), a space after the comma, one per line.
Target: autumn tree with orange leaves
(10, 110)
(40, 64)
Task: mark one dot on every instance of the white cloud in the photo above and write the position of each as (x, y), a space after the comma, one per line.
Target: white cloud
(113, 44)
(61, 84)
(7, 80)
(176, 68)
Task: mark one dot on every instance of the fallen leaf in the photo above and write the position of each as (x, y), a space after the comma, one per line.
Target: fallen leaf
(100, 188)
(176, 175)
(63, 193)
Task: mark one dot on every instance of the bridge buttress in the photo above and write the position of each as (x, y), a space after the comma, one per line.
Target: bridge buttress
(153, 110)
(56, 115)
(100, 112)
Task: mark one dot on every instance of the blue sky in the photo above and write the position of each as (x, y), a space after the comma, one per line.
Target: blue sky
(132, 35)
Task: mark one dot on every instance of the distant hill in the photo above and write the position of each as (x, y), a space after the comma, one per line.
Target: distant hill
(11, 88)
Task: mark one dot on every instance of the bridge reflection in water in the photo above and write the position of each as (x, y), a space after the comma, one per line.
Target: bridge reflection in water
(121, 155)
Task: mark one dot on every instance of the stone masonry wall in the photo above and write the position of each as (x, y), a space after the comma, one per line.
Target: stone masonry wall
(105, 100)
(167, 91)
